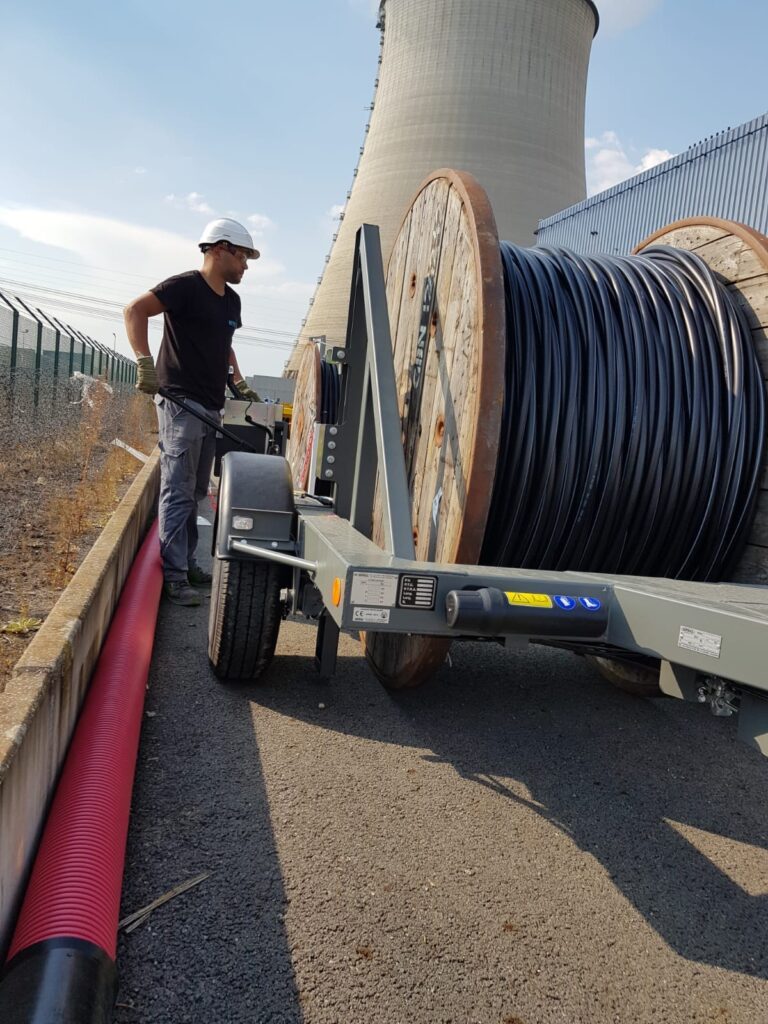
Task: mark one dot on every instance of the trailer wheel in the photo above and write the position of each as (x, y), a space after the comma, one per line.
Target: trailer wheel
(638, 680)
(244, 619)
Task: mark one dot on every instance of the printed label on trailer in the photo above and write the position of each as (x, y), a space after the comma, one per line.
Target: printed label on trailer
(530, 600)
(417, 592)
(566, 603)
(591, 604)
(374, 588)
(697, 640)
(371, 615)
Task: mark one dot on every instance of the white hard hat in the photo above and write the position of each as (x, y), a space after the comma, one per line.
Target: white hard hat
(226, 230)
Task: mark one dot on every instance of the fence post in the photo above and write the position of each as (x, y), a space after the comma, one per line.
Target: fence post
(56, 347)
(38, 351)
(38, 362)
(14, 350)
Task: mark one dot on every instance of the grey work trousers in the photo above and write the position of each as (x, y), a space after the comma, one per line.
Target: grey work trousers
(186, 458)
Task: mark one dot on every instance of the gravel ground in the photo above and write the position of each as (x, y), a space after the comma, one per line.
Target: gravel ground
(514, 843)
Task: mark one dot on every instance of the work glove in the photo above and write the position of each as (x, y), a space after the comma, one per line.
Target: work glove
(146, 378)
(246, 392)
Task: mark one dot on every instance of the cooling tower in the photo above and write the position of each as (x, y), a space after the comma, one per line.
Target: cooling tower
(493, 87)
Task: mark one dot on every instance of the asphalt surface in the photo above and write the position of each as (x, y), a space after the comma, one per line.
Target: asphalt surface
(514, 843)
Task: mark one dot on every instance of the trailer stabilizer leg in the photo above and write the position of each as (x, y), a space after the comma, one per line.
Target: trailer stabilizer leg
(326, 647)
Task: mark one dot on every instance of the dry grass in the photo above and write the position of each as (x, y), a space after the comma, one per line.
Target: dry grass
(75, 511)
(57, 490)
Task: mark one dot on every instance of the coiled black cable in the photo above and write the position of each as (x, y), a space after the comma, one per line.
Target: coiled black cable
(330, 389)
(634, 417)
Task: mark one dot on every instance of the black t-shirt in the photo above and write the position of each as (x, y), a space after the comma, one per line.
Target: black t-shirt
(197, 337)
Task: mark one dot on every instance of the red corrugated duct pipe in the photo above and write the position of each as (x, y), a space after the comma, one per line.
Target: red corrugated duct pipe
(61, 964)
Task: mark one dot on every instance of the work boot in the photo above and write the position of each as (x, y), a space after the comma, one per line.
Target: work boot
(199, 577)
(180, 592)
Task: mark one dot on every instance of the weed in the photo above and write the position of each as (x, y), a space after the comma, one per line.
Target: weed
(22, 626)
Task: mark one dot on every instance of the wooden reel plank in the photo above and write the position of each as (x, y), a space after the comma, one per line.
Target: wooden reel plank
(445, 287)
(306, 409)
(738, 255)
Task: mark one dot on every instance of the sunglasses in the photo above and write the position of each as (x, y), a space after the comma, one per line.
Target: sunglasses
(242, 254)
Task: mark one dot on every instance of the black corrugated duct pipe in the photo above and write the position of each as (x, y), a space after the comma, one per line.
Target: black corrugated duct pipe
(634, 417)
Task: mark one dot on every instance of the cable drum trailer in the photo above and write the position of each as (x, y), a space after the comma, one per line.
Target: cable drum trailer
(368, 559)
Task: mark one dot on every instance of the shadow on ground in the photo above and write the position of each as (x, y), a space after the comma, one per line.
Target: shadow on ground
(609, 770)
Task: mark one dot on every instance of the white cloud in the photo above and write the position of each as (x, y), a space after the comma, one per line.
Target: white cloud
(147, 255)
(619, 15)
(139, 170)
(260, 223)
(608, 162)
(193, 201)
(117, 245)
(653, 158)
(104, 242)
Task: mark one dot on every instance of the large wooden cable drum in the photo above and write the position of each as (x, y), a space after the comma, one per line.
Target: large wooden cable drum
(446, 299)
(444, 291)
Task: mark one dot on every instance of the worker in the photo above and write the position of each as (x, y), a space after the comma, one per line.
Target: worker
(201, 313)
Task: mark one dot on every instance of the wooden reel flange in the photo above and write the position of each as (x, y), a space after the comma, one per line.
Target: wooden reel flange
(306, 412)
(445, 297)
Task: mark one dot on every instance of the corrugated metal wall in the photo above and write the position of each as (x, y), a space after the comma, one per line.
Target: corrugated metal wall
(723, 176)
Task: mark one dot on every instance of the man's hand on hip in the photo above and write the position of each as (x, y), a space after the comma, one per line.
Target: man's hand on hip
(146, 378)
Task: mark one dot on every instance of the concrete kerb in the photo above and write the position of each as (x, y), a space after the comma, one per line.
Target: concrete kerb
(40, 704)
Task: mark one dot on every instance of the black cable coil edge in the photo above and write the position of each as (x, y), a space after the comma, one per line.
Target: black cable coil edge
(330, 390)
(633, 428)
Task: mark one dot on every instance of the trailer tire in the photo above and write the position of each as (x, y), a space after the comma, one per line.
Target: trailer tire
(637, 680)
(244, 619)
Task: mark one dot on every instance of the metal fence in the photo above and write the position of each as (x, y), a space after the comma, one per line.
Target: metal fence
(39, 354)
(46, 369)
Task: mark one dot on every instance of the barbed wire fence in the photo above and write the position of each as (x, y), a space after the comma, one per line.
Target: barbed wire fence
(45, 369)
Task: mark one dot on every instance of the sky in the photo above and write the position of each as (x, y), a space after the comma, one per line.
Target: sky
(126, 127)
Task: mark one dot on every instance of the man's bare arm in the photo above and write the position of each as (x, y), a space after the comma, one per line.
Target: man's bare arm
(136, 316)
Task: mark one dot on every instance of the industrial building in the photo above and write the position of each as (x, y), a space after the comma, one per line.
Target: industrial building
(722, 176)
